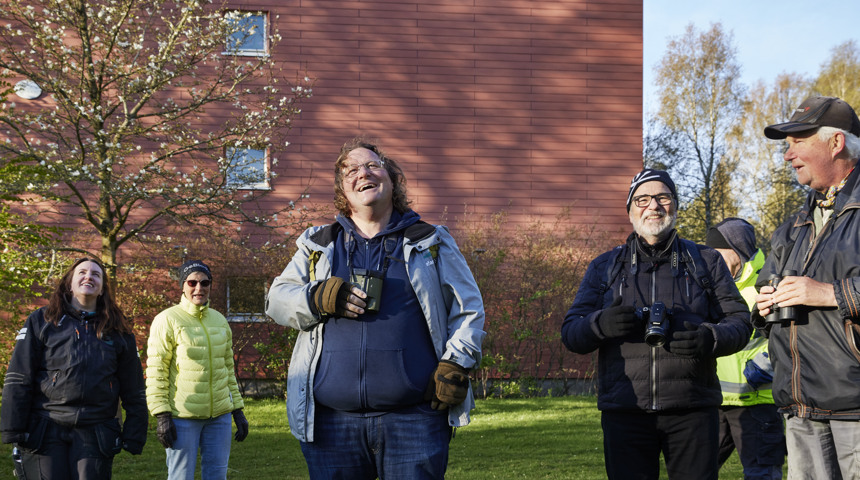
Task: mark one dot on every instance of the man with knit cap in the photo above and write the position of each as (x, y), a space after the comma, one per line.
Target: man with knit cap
(658, 392)
(749, 421)
(810, 282)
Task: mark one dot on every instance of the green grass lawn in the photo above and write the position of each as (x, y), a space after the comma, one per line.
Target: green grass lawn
(535, 438)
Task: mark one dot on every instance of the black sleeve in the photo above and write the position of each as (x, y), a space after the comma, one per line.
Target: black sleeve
(132, 394)
(20, 384)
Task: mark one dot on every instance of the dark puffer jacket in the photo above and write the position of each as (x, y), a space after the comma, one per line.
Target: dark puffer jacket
(66, 373)
(633, 375)
(816, 358)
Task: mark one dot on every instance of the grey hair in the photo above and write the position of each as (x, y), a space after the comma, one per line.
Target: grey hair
(852, 142)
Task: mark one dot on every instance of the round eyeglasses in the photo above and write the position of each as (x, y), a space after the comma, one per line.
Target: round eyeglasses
(373, 166)
(203, 283)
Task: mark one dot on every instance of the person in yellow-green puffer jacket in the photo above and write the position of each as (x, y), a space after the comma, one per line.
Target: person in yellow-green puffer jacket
(191, 386)
(749, 420)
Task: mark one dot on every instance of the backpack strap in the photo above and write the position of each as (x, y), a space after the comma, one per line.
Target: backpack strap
(613, 268)
(323, 236)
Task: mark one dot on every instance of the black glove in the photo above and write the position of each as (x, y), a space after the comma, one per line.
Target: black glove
(619, 320)
(241, 424)
(166, 430)
(330, 296)
(134, 448)
(696, 341)
(15, 437)
(448, 385)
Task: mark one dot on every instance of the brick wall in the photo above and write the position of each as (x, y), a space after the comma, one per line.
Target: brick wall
(525, 106)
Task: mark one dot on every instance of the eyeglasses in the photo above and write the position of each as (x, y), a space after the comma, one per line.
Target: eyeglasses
(373, 166)
(643, 201)
(203, 283)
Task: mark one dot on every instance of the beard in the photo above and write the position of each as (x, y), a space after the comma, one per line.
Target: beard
(651, 230)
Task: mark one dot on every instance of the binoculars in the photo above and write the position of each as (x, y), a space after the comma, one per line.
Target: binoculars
(780, 314)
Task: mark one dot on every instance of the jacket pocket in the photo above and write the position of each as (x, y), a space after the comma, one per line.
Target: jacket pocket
(36, 430)
(109, 438)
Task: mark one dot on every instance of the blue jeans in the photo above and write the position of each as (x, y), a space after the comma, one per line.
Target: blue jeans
(211, 437)
(388, 446)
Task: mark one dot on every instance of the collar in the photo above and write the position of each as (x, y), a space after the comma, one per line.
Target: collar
(191, 308)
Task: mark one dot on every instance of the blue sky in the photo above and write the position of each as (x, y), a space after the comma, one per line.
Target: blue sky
(772, 36)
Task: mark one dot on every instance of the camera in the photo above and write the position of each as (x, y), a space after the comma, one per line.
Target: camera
(370, 281)
(780, 314)
(656, 323)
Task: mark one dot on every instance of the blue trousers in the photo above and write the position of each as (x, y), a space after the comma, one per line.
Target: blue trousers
(211, 437)
(758, 434)
(387, 446)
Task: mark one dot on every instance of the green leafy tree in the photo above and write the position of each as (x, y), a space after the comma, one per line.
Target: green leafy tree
(724, 204)
(840, 75)
(125, 140)
(770, 189)
(701, 101)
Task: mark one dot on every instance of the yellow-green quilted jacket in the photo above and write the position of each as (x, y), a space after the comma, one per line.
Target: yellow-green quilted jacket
(189, 369)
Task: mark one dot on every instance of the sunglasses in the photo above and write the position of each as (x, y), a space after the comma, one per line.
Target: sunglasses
(203, 283)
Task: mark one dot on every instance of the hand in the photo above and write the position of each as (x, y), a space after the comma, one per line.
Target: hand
(696, 341)
(166, 430)
(15, 437)
(132, 448)
(241, 425)
(764, 300)
(793, 291)
(448, 385)
(619, 320)
(338, 298)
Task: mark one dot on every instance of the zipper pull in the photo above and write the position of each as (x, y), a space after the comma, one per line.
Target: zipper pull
(687, 282)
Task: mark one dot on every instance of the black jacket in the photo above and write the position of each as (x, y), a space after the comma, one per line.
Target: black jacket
(816, 358)
(631, 374)
(66, 373)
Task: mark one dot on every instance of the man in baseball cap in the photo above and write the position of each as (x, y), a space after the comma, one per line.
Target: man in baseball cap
(816, 256)
(817, 112)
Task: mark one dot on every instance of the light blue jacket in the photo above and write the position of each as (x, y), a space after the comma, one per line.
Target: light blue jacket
(445, 288)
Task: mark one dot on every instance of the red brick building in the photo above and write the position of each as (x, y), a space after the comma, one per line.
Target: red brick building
(516, 105)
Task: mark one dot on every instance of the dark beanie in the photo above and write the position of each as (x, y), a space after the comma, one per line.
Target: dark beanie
(734, 233)
(650, 175)
(190, 267)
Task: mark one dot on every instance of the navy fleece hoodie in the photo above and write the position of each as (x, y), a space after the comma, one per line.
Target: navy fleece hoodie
(383, 360)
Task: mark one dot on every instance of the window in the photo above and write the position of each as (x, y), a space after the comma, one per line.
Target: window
(248, 168)
(246, 299)
(249, 35)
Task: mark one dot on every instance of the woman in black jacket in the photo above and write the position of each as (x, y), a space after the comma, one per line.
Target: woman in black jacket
(74, 360)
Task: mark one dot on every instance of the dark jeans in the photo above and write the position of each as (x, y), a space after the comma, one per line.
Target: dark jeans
(758, 434)
(632, 442)
(66, 453)
(388, 446)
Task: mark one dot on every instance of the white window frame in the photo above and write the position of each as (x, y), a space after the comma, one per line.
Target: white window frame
(246, 317)
(239, 50)
(260, 155)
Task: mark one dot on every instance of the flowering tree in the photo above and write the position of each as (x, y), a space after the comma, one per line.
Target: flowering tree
(144, 107)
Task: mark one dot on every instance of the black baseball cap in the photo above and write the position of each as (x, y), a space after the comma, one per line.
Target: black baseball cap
(817, 112)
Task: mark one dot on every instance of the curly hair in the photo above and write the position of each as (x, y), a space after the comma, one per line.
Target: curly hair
(398, 180)
(109, 317)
